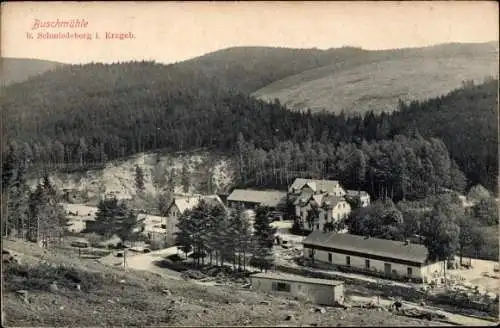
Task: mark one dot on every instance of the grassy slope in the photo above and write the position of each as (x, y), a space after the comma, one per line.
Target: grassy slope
(250, 68)
(104, 300)
(378, 79)
(15, 70)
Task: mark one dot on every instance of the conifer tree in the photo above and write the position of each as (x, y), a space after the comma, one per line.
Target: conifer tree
(215, 232)
(185, 178)
(184, 233)
(264, 236)
(139, 179)
(239, 228)
(113, 218)
(46, 216)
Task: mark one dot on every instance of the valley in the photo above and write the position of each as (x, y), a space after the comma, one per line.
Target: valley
(147, 194)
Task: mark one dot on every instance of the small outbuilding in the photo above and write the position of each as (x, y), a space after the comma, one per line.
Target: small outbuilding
(319, 291)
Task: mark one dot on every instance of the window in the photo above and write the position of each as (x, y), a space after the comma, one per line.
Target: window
(330, 257)
(281, 287)
(410, 271)
(317, 226)
(348, 260)
(367, 264)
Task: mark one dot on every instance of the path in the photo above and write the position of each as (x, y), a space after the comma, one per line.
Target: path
(145, 262)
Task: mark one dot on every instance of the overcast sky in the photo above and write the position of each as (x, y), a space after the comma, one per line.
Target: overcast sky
(169, 32)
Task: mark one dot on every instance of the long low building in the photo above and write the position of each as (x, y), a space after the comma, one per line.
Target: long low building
(320, 291)
(249, 199)
(381, 257)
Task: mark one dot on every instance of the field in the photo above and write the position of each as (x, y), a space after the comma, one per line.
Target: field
(112, 296)
(379, 85)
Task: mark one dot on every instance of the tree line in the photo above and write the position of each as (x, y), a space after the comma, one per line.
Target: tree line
(33, 215)
(440, 222)
(225, 236)
(402, 168)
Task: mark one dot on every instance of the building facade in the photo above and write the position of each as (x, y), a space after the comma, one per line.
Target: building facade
(329, 209)
(319, 291)
(318, 202)
(373, 256)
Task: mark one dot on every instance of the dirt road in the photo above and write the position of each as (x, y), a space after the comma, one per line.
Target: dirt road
(145, 262)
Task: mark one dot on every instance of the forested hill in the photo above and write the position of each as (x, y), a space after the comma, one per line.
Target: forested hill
(348, 78)
(376, 80)
(467, 121)
(248, 69)
(90, 113)
(15, 70)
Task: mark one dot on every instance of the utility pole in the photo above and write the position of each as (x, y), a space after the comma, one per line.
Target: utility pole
(124, 258)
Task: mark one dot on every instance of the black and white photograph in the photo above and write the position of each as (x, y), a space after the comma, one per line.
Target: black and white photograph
(250, 163)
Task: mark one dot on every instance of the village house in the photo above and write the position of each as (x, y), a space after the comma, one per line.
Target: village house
(152, 227)
(319, 291)
(373, 256)
(247, 199)
(78, 216)
(361, 197)
(326, 197)
(178, 206)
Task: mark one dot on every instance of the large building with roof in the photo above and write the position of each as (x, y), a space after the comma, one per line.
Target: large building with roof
(327, 197)
(380, 257)
(275, 200)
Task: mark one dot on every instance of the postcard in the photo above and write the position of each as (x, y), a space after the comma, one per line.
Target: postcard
(267, 163)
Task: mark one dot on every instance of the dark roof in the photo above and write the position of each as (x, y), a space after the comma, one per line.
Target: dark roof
(270, 198)
(321, 186)
(274, 275)
(331, 201)
(355, 193)
(303, 198)
(373, 246)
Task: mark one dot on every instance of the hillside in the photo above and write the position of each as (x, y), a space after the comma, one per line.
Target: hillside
(378, 79)
(98, 112)
(15, 70)
(467, 122)
(208, 173)
(110, 296)
(248, 69)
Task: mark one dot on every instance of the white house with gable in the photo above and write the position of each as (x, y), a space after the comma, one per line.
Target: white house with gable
(325, 196)
(178, 206)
